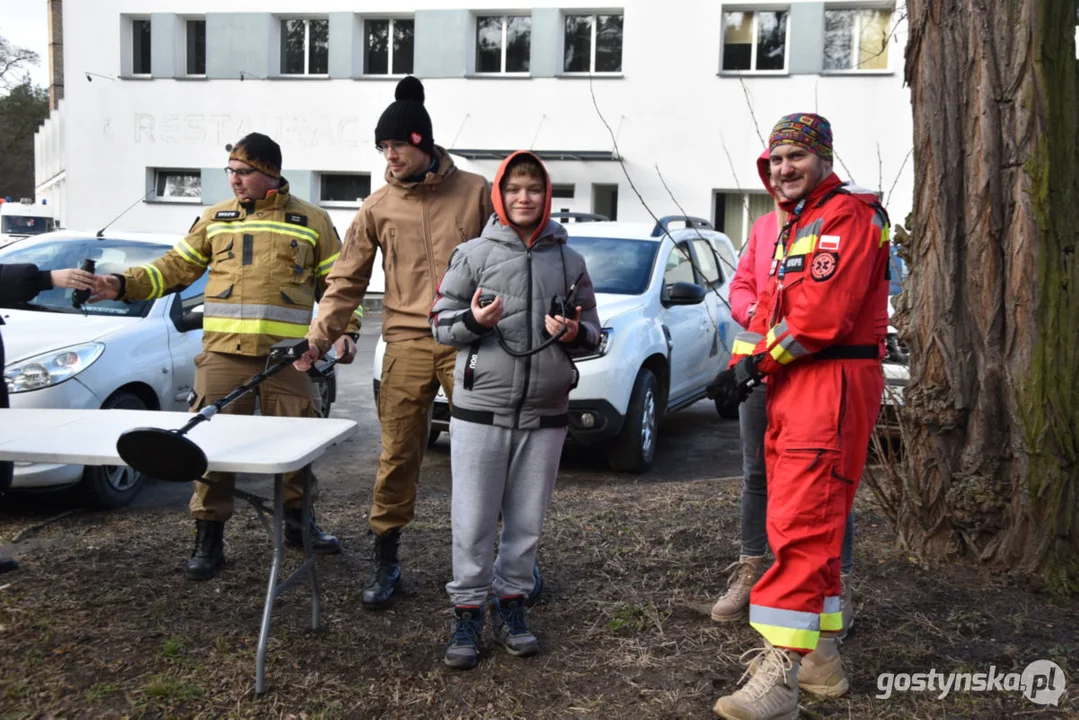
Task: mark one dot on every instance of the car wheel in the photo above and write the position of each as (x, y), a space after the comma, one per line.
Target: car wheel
(633, 449)
(726, 412)
(112, 486)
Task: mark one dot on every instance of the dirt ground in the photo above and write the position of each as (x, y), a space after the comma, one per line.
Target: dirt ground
(100, 623)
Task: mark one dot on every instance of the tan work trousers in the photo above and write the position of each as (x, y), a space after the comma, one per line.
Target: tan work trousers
(412, 370)
(287, 393)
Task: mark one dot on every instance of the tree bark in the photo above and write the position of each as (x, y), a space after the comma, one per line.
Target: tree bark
(990, 311)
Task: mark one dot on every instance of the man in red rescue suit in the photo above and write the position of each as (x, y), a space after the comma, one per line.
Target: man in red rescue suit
(817, 335)
(268, 254)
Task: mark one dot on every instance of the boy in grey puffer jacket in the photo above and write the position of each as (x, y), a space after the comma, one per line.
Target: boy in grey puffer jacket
(518, 303)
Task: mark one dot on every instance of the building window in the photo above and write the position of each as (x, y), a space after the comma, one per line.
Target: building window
(140, 47)
(755, 41)
(383, 57)
(856, 39)
(593, 43)
(344, 188)
(562, 191)
(734, 213)
(178, 185)
(503, 44)
(305, 47)
(196, 47)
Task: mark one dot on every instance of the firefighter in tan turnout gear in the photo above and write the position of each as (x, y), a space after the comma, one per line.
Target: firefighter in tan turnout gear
(268, 255)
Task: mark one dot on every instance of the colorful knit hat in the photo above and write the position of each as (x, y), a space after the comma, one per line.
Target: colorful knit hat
(813, 132)
(258, 151)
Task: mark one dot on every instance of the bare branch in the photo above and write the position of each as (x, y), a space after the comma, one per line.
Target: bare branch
(13, 58)
(880, 171)
(633, 187)
(897, 176)
(752, 115)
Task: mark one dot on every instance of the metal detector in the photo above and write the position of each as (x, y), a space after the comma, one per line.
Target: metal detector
(169, 454)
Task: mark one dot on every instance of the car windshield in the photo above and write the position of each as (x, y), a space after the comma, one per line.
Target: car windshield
(25, 224)
(109, 256)
(898, 274)
(616, 265)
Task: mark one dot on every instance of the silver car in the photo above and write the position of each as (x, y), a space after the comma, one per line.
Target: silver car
(131, 355)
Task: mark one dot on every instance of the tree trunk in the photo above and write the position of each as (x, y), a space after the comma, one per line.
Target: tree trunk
(990, 311)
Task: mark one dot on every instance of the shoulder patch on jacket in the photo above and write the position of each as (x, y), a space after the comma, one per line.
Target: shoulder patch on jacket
(226, 215)
(824, 266)
(296, 219)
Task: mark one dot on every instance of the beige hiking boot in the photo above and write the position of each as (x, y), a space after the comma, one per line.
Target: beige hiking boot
(732, 605)
(847, 596)
(822, 670)
(771, 693)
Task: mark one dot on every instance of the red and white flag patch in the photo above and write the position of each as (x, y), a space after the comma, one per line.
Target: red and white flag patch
(828, 243)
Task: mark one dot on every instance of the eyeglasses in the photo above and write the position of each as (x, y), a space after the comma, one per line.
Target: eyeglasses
(242, 173)
(396, 145)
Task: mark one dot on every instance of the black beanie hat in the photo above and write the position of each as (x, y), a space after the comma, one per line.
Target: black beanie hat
(259, 151)
(406, 119)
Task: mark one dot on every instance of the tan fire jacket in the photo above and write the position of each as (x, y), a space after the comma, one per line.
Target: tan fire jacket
(417, 226)
(267, 261)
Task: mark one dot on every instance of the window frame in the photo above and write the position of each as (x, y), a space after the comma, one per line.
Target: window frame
(187, 20)
(392, 19)
(855, 45)
(134, 21)
(184, 200)
(755, 12)
(342, 203)
(306, 19)
(504, 46)
(594, 17)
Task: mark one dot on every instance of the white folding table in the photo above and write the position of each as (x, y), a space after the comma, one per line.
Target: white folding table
(232, 443)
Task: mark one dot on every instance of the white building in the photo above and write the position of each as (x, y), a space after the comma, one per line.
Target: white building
(683, 89)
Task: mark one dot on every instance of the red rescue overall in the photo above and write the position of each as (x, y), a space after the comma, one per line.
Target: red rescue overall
(818, 331)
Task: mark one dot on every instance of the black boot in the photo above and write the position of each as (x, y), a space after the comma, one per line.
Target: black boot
(387, 574)
(209, 554)
(322, 543)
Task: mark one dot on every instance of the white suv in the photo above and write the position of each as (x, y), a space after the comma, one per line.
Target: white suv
(661, 293)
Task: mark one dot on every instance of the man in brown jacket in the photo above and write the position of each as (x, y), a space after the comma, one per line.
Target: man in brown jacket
(426, 209)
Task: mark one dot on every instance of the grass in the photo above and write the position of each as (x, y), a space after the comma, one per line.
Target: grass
(630, 572)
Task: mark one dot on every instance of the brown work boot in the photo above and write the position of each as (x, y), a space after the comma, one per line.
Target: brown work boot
(847, 597)
(822, 670)
(732, 605)
(772, 691)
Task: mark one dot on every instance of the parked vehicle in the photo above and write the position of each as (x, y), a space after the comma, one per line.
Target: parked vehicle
(24, 219)
(133, 355)
(661, 293)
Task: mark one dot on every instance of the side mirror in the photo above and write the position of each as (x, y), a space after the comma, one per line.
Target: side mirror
(192, 319)
(684, 293)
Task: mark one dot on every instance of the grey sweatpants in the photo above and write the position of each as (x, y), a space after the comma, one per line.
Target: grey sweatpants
(495, 470)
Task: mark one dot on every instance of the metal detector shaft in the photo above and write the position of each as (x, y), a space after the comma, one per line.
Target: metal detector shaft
(210, 410)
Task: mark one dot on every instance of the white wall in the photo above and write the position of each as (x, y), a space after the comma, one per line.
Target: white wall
(670, 108)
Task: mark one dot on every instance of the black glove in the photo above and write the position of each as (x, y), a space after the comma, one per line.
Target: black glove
(731, 387)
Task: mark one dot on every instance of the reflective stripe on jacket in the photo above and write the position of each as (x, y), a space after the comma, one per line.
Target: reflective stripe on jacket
(268, 261)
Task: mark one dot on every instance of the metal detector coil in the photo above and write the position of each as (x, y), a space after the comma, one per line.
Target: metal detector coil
(169, 454)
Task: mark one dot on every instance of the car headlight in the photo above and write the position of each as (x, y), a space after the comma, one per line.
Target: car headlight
(601, 349)
(51, 368)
